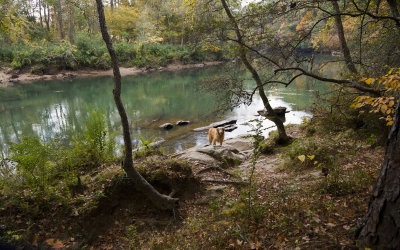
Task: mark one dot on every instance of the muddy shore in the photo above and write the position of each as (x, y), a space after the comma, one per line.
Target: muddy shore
(9, 77)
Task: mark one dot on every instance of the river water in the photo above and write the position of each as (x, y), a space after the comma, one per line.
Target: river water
(53, 109)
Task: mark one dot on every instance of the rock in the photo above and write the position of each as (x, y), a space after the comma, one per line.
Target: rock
(192, 155)
(216, 125)
(226, 154)
(232, 152)
(240, 143)
(182, 123)
(167, 126)
(14, 76)
(14, 80)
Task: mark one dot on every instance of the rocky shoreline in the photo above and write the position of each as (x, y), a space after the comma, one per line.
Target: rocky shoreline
(10, 77)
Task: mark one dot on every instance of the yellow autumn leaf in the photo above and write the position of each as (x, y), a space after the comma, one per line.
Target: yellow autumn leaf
(302, 158)
(389, 123)
(369, 81)
(311, 157)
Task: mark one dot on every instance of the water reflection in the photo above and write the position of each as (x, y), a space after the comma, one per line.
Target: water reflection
(57, 108)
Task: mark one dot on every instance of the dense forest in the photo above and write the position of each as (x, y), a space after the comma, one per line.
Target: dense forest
(330, 182)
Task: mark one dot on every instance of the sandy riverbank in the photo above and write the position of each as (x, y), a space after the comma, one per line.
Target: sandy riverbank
(8, 77)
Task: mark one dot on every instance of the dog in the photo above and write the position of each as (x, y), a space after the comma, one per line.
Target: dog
(216, 135)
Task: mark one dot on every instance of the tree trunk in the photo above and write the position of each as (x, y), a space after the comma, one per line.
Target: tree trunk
(71, 23)
(395, 11)
(159, 200)
(60, 20)
(112, 5)
(283, 138)
(381, 226)
(47, 17)
(342, 39)
(40, 13)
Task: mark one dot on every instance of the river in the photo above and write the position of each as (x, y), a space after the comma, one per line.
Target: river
(51, 109)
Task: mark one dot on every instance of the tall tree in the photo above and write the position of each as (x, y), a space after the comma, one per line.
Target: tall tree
(381, 226)
(342, 39)
(60, 19)
(159, 200)
(283, 138)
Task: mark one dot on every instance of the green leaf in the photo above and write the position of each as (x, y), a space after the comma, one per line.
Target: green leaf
(311, 157)
(302, 158)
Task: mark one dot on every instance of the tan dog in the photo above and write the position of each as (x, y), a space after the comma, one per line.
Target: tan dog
(216, 135)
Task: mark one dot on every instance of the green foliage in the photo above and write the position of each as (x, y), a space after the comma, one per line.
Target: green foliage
(306, 153)
(146, 149)
(33, 164)
(95, 144)
(132, 236)
(6, 54)
(62, 54)
(90, 51)
(340, 182)
(42, 170)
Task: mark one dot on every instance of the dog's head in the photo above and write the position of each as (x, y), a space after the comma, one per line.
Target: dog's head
(221, 131)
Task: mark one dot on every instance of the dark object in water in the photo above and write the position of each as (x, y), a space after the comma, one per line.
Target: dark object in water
(182, 123)
(167, 126)
(281, 111)
(216, 125)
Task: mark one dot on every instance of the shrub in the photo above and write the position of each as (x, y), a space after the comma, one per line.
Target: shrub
(307, 153)
(95, 144)
(34, 169)
(146, 149)
(62, 54)
(5, 53)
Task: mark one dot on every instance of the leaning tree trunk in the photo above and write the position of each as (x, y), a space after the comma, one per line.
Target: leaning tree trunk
(283, 138)
(381, 226)
(159, 200)
(342, 39)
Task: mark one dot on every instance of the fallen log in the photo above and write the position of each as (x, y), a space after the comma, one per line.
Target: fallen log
(216, 125)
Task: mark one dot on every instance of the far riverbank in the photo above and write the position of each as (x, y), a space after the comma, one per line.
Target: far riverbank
(10, 77)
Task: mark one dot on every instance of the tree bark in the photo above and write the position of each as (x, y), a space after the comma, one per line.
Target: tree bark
(380, 228)
(342, 39)
(395, 12)
(283, 138)
(46, 17)
(40, 13)
(60, 20)
(159, 200)
(71, 23)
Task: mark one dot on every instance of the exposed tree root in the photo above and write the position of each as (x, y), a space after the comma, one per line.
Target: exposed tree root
(227, 182)
(215, 168)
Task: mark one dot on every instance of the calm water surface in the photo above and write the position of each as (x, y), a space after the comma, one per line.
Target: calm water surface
(55, 108)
